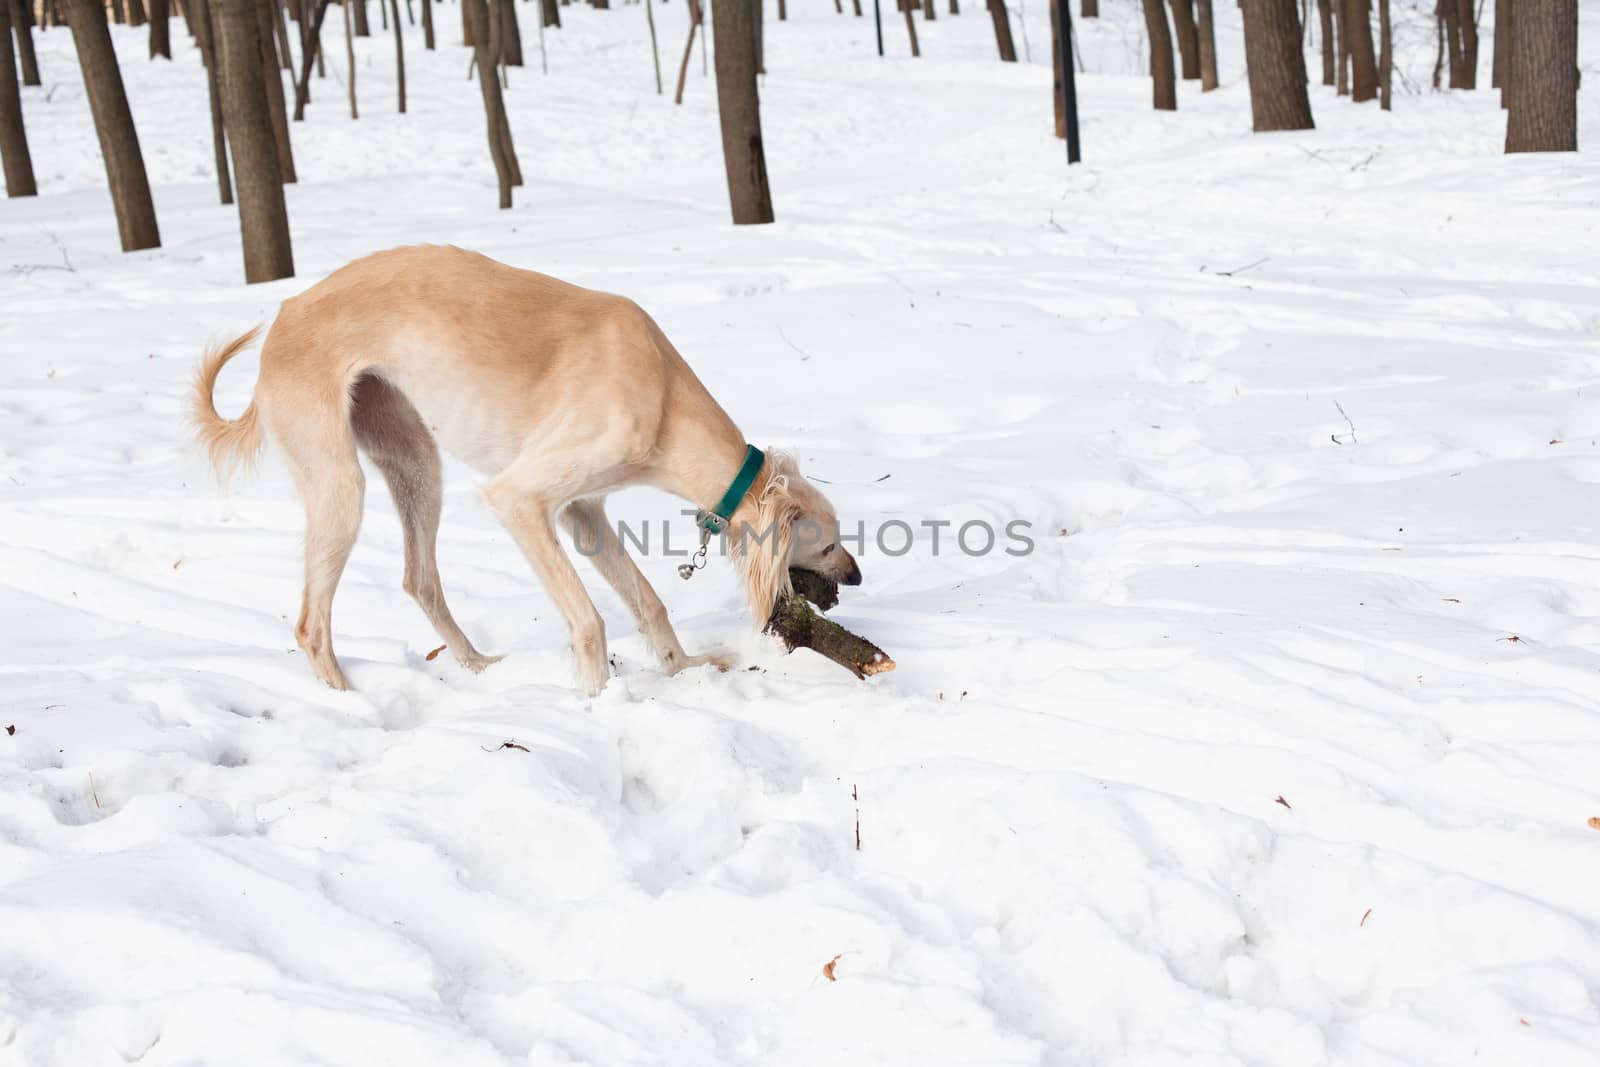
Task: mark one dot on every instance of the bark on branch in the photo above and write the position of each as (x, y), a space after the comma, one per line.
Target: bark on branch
(798, 625)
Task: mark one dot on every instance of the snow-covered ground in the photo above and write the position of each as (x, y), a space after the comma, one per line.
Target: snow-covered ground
(1279, 749)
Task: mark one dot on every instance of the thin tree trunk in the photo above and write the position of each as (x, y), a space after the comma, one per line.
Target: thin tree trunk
(350, 58)
(310, 52)
(272, 84)
(929, 11)
(1508, 70)
(22, 23)
(427, 24)
(758, 30)
(1188, 38)
(857, 4)
(510, 34)
(1385, 57)
(1057, 100)
(281, 32)
(655, 46)
(688, 48)
(113, 122)
(1090, 9)
(15, 159)
(263, 218)
(911, 27)
(1543, 111)
(205, 38)
(783, 11)
(493, 102)
(362, 27)
(1450, 15)
(1502, 42)
(1276, 66)
(160, 29)
(1325, 21)
(1363, 62)
(1002, 31)
(1163, 78)
(119, 13)
(399, 54)
(1341, 47)
(552, 13)
(739, 108)
(1208, 46)
(497, 47)
(1467, 27)
(136, 15)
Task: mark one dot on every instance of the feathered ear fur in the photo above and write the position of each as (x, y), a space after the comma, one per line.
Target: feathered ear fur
(761, 542)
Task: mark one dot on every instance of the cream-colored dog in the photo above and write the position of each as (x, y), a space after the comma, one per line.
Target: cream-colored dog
(557, 394)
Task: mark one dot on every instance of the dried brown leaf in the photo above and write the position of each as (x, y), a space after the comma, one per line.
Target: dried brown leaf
(431, 656)
(827, 969)
(1594, 820)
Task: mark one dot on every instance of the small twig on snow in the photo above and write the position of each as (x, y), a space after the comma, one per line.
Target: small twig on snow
(1348, 423)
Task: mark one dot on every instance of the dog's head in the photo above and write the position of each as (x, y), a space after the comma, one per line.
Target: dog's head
(786, 522)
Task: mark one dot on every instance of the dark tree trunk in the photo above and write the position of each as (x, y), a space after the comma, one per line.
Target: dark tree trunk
(1090, 9)
(1325, 21)
(263, 218)
(739, 106)
(906, 7)
(508, 150)
(119, 12)
(358, 12)
(552, 13)
(310, 51)
(272, 88)
(1341, 47)
(1502, 42)
(427, 24)
(783, 11)
(350, 58)
(1467, 30)
(655, 45)
(22, 23)
(929, 11)
(136, 15)
(205, 38)
(113, 122)
(1276, 66)
(399, 53)
(281, 33)
(510, 34)
(1057, 100)
(1208, 46)
(160, 27)
(494, 106)
(1188, 38)
(1543, 111)
(1163, 78)
(14, 156)
(1449, 15)
(1002, 31)
(688, 48)
(1385, 57)
(1363, 62)
(758, 30)
(1508, 69)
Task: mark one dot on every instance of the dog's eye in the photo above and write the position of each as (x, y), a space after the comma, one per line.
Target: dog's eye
(830, 548)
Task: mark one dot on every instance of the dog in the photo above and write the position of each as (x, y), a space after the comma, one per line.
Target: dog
(556, 394)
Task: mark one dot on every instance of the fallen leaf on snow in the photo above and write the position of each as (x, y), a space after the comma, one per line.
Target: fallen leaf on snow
(1594, 820)
(827, 969)
(12, 729)
(431, 656)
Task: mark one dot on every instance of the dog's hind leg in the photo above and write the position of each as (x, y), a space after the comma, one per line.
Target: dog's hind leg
(585, 521)
(392, 434)
(320, 452)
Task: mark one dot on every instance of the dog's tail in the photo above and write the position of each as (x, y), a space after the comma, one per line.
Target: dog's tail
(229, 443)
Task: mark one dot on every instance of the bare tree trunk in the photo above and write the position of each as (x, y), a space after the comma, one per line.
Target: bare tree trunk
(1002, 31)
(362, 27)
(427, 25)
(1163, 78)
(688, 48)
(350, 58)
(655, 46)
(1508, 68)
(510, 34)
(857, 4)
(160, 27)
(1276, 66)
(136, 15)
(1449, 15)
(1341, 47)
(759, 28)
(739, 107)
(113, 122)
(1090, 9)
(1188, 38)
(399, 54)
(494, 106)
(1385, 57)
(272, 83)
(281, 32)
(1363, 63)
(311, 51)
(1543, 111)
(497, 45)
(14, 156)
(1467, 29)
(552, 13)
(119, 13)
(1057, 100)
(1502, 42)
(906, 7)
(1208, 46)
(205, 39)
(263, 218)
(783, 11)
(22, 24)
(1325, 21)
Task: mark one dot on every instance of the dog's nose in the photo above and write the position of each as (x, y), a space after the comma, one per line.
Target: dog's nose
(854, 576)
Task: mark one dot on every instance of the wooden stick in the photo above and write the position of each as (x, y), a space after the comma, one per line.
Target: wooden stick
(796, 623)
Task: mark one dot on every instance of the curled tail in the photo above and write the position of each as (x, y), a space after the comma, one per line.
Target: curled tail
(228, 442)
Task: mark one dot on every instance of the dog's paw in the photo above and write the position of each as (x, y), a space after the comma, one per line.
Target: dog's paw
(476, 662)
(719, 658)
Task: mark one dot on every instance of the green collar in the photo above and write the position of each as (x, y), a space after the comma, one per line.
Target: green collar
(717, 519)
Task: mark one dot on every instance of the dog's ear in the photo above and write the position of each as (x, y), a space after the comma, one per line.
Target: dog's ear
(762, 544)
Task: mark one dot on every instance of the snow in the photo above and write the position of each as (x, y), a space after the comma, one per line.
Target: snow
(1278, 749)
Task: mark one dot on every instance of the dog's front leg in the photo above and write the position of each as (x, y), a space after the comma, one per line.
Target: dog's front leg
(530, 518)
